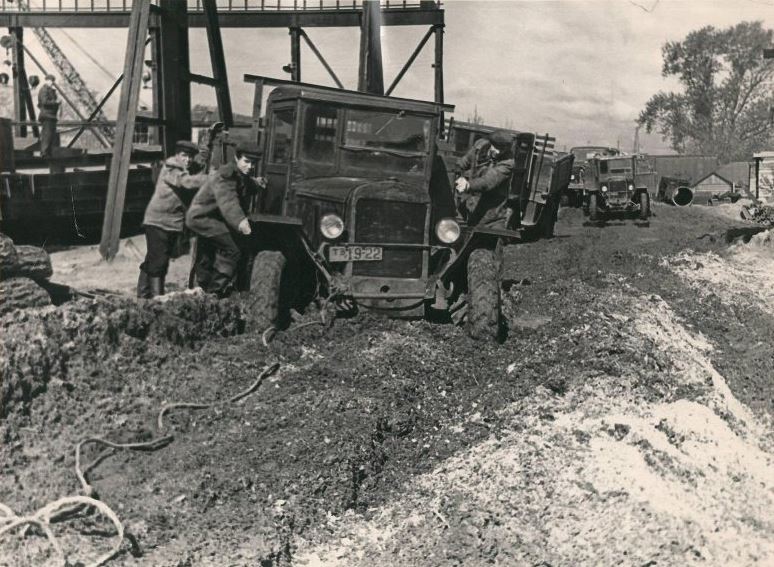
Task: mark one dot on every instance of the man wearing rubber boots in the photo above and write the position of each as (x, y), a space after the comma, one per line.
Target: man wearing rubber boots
(483, 194)
(218, 215)
(165, 217)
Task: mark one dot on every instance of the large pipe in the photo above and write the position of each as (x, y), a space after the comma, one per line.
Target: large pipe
(683, 196)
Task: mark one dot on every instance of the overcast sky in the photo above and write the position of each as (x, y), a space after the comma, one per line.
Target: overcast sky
(579, 69)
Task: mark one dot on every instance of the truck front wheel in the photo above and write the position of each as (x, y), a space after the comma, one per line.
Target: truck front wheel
(644, 205)
(484, 305)
(593, 207)
(264, 304)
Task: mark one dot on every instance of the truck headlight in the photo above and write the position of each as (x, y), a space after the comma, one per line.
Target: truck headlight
(331, 226)
(572, 178)
(604, 189)
(631, 187)
(447, 230)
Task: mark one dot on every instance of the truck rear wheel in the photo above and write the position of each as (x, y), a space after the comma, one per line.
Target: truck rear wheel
(644, 205)
(593, 209)
(484, 305)
(264, 304)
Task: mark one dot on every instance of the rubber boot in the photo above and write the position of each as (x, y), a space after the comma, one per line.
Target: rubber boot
(156, 286)
(143, 286)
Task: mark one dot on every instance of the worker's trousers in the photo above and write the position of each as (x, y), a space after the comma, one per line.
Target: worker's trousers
(47, 137)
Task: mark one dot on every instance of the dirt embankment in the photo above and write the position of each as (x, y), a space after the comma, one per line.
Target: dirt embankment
(606, 429)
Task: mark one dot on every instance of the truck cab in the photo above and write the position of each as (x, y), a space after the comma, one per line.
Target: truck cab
(582, 154)
(618, 184)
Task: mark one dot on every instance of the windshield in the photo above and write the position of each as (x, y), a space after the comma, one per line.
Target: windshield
(623, 165)
(392, 141)
(586, 153)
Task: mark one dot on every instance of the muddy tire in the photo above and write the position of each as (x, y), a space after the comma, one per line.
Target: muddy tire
(593, 208)
(644, 205)
(484, 304)
(550, 214)
(264, 305)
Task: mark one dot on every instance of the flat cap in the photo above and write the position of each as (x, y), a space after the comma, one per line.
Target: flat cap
(50, 77)
(249, 150)
(186, 146)
(501, 139)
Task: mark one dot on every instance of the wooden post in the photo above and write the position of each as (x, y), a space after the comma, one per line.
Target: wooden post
(438, 63)
(295, 54)
(127, 113)
(19, 102)
(371, 76)
(173, 70)
(218, 60)
(257, 103)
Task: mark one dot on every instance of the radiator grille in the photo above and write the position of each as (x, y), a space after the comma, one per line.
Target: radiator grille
(378, 221)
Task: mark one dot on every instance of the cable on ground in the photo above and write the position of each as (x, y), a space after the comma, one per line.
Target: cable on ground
(66, 507)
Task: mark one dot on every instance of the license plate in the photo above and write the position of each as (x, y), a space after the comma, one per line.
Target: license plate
(354, 253)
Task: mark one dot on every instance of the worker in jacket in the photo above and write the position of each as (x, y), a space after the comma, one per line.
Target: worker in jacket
(164, 219)
(218, 216)
(483, 193)
(48, 103)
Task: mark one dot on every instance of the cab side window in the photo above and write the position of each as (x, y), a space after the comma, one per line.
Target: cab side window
(282, 137)
(319, 138)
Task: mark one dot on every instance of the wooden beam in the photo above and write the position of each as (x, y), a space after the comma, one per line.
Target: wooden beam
(17, 69)
(255, 132)
(127, 112)
(438, 64)
(370, 75)
(233, 19)
(218, 60)
(410, 61)
(319, 55)
(295, 54)
(174, 84)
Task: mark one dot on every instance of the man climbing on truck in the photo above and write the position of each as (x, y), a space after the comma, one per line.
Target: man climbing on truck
(488, 165)
(218, 215)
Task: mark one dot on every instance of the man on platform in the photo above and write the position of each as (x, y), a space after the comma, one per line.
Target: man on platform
(48, 103)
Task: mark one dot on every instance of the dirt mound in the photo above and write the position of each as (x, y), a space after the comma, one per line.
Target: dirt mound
(41, 345)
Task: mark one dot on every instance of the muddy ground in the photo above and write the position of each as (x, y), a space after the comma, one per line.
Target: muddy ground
(627, 419)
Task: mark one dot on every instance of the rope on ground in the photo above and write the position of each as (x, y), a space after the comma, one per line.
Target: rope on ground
(43, 517)
(268, 371)
(64, 508)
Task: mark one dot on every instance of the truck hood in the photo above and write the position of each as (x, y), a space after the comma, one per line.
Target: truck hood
(338, 189)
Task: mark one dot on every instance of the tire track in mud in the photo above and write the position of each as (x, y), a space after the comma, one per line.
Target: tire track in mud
(606, 478)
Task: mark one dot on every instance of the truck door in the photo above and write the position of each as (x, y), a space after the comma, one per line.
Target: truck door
(279, 154)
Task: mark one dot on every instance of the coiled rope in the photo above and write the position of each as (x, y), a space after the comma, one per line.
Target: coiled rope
(64, 508)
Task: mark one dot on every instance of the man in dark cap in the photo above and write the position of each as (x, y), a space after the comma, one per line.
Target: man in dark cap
(485, 189)
(165, 217)
(48, 103)
(218, 215)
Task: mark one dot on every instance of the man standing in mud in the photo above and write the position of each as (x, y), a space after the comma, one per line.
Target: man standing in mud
(483, 194)
(48, 103)
(165, 217)
(218, 215)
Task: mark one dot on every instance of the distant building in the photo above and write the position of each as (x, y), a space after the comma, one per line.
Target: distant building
(766, 174)
(689, 168)
(709, 186)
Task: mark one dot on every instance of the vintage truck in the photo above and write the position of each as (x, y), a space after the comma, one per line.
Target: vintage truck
(359, 212)
(618, 184)
(576, 190)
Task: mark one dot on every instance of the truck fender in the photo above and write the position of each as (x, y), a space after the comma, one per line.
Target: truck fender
(480, 237)
(286, 233)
